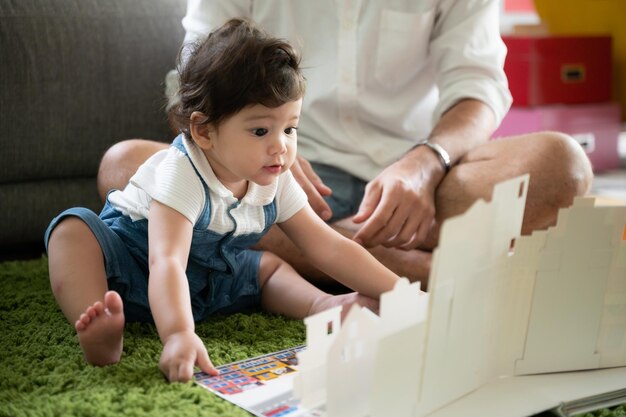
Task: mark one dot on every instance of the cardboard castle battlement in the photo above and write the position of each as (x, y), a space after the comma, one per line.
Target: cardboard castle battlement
(498, 305)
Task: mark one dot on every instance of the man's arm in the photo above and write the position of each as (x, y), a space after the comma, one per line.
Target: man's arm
(398, 209)
(468, 124)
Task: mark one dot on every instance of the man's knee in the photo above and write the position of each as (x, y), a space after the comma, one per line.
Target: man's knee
(121, 161)
(565, 161)
(126, 153)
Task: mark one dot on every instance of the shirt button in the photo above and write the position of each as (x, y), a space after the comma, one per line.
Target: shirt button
(348, 25)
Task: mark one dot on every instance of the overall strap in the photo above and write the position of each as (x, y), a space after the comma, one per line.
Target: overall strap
(205, 216)
(270, 215)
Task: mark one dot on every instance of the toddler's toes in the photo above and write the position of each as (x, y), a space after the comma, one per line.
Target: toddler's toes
(113, 302)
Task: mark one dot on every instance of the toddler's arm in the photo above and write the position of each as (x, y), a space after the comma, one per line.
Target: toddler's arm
(341, 258)
(169, 235)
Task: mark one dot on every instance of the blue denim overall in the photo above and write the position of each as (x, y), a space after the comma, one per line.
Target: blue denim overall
(222, 271)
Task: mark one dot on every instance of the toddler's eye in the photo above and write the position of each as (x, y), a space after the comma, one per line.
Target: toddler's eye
(259, 132)
(291, 130)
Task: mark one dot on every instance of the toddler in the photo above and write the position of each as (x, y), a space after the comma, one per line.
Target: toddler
(173, 247)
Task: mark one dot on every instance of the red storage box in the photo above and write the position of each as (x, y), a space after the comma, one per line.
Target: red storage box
(558, 69)
(595, 126)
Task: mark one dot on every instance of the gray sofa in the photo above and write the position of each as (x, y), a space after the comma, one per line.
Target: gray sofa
(76, 76)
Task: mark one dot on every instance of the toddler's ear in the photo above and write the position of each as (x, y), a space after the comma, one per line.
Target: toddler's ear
(200, 130)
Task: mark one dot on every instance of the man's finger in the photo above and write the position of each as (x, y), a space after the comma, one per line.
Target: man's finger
(422, 232)
(320, 206)
(316, 201)
(390, 229)
(406, 232)
(309, 172)
(371, 199)
(374, 223)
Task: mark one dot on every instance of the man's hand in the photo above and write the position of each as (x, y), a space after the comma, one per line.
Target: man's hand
(398, 208)
(181, 351)
(313, 186)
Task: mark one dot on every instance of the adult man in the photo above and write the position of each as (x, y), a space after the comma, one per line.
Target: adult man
(384, 76)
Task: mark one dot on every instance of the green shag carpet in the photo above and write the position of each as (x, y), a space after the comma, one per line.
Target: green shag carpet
(42, 372)
(619, 411)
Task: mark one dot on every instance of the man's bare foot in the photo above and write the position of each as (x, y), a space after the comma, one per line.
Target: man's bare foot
(413, 264)
(346, 300)
(100, 330)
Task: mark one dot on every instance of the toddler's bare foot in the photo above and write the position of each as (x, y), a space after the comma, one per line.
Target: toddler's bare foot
(346, 300)
(101, 329)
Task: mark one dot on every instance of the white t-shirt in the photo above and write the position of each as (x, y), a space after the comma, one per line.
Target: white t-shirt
(169, 177)
(379, 73)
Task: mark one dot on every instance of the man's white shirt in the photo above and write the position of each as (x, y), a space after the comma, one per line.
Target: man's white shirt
(379, 73)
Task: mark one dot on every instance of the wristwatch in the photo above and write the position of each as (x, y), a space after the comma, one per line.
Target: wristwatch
(444, 157)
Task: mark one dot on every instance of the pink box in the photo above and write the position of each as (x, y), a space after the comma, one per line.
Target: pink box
(595, 126)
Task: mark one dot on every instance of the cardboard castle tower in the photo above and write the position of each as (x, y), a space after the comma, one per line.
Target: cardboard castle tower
(498, 305)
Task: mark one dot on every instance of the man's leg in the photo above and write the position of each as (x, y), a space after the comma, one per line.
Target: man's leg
(120, 162)
(559, 171)
(558, 167)
(413, 264)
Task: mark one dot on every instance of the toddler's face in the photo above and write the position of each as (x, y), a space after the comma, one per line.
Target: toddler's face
(256, 144)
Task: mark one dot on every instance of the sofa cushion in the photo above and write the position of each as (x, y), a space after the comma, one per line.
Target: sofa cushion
(76, 76)
(79, 75)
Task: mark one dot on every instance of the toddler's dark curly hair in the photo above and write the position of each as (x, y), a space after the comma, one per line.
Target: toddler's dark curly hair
(235, 66)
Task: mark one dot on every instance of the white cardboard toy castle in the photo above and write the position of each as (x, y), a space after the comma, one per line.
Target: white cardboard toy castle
(498, 305)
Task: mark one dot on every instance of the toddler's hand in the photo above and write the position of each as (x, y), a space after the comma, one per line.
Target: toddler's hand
(181, 351)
